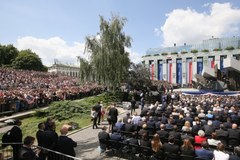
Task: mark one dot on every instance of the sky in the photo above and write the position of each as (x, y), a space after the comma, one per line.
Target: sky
(56, 29)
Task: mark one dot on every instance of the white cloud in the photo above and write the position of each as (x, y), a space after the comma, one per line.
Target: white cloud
(57, 48)
(189, 26)
(53, 48)
(134, 56)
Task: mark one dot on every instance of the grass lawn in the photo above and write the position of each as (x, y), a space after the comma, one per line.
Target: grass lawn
(63, 112)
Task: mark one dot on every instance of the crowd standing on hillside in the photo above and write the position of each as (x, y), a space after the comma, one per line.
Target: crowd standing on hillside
(22, 90)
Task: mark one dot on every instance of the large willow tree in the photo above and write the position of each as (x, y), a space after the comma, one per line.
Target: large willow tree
(109, 60)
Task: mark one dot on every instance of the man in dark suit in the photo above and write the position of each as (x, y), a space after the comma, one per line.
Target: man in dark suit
(51, 140)
(103, 138)
(222, 134)
(16, 135)
(133, 105)
(113, 113)
(233, 136)
(40, 135)
(65, 144)
(26, 152)
(163, 134)
(98, 109)
(171, 149)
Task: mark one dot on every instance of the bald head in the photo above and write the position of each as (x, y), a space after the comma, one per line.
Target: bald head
(234, 126)
(64, 130)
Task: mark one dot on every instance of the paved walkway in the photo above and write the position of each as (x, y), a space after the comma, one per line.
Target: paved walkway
(87, 140)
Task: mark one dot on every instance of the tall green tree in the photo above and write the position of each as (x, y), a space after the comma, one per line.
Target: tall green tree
(28, 60)
(139, 76)
(109, 60)
(7, 53)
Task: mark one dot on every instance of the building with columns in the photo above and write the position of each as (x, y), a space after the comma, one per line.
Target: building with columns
(180, 64)
(64, 69)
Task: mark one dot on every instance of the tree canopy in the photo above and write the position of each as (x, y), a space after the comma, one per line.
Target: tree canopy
(109, 60)
(28, 60)
(7, 53)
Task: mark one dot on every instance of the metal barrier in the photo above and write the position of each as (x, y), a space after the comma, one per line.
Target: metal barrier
(6, 152)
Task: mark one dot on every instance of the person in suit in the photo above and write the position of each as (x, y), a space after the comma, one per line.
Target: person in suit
(163, 134)
(133, 105)
(208, 128)
(203, 152)
(65, 144)
(113, 114)
(16, 135)
(98, 109)
(233, 135)
(26, 152)
(40, 135)
(171, 149)
(51, 140)
(103, 138)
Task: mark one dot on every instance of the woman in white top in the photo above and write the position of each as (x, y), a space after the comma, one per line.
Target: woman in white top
(219, 154)
(213, 141)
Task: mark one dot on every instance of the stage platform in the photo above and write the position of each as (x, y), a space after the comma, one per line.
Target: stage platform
(193, 91)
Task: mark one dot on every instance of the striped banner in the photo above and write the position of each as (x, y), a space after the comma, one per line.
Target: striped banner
(152, 70)
(189, 71)
(169, 71)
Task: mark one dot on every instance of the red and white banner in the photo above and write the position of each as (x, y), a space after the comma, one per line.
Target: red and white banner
(189, 72)
(169, 71)
(152, 70)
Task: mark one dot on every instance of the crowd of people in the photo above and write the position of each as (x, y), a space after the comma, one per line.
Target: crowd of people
(48, 143)
(186, 126)
(22, 90)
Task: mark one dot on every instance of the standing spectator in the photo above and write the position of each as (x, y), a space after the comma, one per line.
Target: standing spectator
(65, 144)
(51, 140)
(220, 154)
(40, 135)
(48, 121)
(94, 115)
(142, 103)
(133, 105)
(26, 152)
(103, 112)
(16, 135)
(98, 109)
(113, 115)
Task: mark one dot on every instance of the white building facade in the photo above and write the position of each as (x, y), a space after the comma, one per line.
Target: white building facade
(179, 64)
(64, 69)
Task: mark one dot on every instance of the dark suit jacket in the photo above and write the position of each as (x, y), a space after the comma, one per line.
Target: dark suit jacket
(27, 154)
(41, 138)
(113, 112)
(66, 145)
(171, 148)
(51, 140)
(16, 134)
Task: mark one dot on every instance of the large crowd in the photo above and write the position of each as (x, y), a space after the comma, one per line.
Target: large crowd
(183, 126)
(22, 90)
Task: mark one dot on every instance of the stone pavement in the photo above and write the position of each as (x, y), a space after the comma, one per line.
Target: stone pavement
(87, 140)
